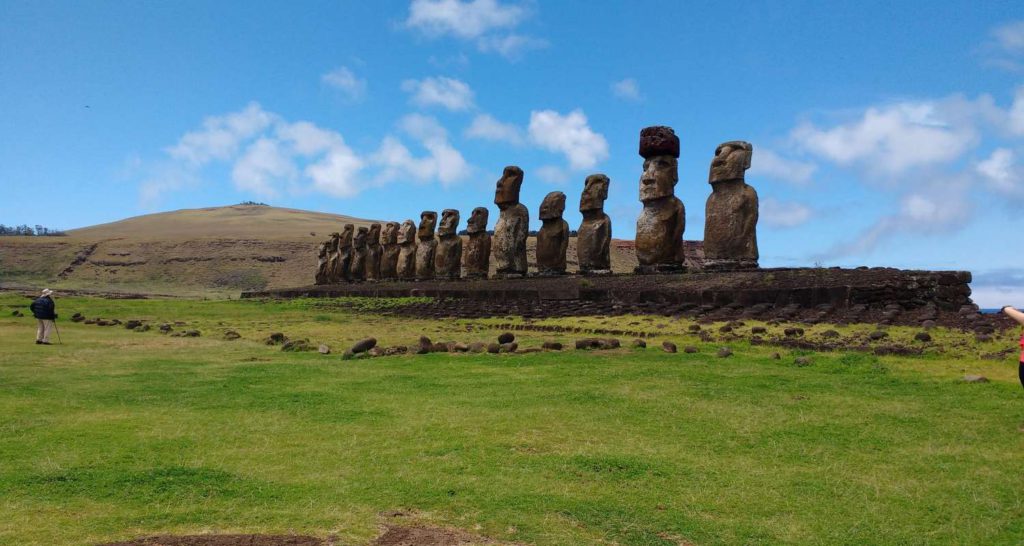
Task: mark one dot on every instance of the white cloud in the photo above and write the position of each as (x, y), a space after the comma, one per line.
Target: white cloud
(487, 22)
(344, 80)
(552, 174)
(1015, 116)
(771, 165)
(443, 163)
(1002, 173)
(455, 95)
(1010, 36)
(220, 136)
(570, 135)
(893, 139)
(486, 127)
(626, 89)
(263, 163)
(337, 173)
(783, 214)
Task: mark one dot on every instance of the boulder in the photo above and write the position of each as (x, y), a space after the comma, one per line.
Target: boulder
(668, 346)
(639, 344)
(231, 335)
(724, 352)
(758, 330)
(296, 345)
(276, 338)
(975, 379)
(191, 333)
(802, 361)
(132, 324)
(324, 349)
(690, 349)
(506, 337)
(494, 348)
(364, 345)
(552, 346)
(878, 335)
(923, 337)
(477, 347)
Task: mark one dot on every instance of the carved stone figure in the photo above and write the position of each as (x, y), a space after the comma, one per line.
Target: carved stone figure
(373, 253)
(406, 268)
(321, 263)
(333, 258)
(427, 246)
(730, 225)
(553, 237)
(659, 229)
(389, 257)
(344, 264)
(594, 238)
(448, 258)
(476, 258)
(357, 271)
(513, 225)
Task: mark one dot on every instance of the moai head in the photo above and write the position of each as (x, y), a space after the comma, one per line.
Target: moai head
(477, 220)
(428, 219)
(553, 205)
(506, 194)
(595, 192)
(449, 222)
(346, 235)
(407, 233)
(659, 146)
(359, 241)
(321, 250)
(335, 242)
(373, 238)
(731, 160)
(390, 234)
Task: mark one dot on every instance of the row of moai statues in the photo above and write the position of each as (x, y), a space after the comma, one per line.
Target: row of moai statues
(409, 252)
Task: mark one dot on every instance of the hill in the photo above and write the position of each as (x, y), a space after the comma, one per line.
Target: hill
(215, 250)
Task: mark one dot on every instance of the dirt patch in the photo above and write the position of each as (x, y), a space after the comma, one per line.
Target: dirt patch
(223, 540)
(427, 536)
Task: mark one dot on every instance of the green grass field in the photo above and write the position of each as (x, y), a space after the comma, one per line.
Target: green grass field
(117, 434)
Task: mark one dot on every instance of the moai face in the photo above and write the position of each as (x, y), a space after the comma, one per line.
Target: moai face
(390, 234)
(595, 192)
(659, 146)
(407, 233)
(731, 161)
(334, 242)
(506, 193)
(449, 223)
(553, 206)
(477, 220)
(346, 235)
(359, 241)
(373, 238)
(428, 219)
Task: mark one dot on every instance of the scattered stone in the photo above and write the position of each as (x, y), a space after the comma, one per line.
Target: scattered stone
(276, 338)
(975, 379)
(923, 337)
(776, 356)
(324, 349)
(424, 345)
(191, 333)
(364, 345)
(830, 334)
(297, 345)
(724, 352)
(179, 323)
(694, 327)
(793, 332)
(877, 335)
(552, 346)
(690, 349)
(459, 347)
(494, 348)
(17, 313)
(758, 330)
(725, 329)
(132, 324)
(77, 317)
(231, 335)
(375, 352)
(164, 328)
(802, 361)
(91, 321)
(507, 337)
(668, 347)
(102, 322)
(587, 343)
(639, 344)
(143, 328)
(609, 343)
(477, 347)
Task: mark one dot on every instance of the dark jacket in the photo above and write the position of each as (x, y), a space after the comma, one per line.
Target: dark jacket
(43, 308)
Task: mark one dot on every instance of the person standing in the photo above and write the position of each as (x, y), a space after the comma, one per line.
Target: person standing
(44, 310)
(1019, 317)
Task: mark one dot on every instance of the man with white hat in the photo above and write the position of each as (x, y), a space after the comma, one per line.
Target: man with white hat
(44, 310)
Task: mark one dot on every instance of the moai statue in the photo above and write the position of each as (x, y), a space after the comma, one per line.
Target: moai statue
(730, 225)
(594, 238)
(476, 259)
(553, 237)
(448, 258)
(427, 246)
(659, 229)
(406, 268)
(389, 256)
(513, 225)
(333, 258)
(345, 254)
(373, 253)
(321, 263)
(357, 271)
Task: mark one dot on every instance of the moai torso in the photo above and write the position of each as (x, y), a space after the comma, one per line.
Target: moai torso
(476, 256)
(333, 259)
(357, 271)
(373, 253)
(390, 251)
(321, 264)
(553, 237)
(448, 258)
(344, 264)
(730, 225)
(659, 228)
(406, 268)
(594, 238)
(509, 242)
(427, 246)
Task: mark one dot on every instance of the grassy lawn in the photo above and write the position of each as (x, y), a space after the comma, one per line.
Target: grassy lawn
(117, 434)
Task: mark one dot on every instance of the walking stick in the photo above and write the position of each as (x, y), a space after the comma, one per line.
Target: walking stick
(55, 329)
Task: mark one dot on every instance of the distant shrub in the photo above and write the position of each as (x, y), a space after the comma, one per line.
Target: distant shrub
(252, 204)
(23, 230)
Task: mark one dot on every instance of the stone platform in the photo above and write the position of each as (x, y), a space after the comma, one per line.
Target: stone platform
(809, 294)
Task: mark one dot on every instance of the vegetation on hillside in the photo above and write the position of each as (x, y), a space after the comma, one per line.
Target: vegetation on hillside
(24, 230)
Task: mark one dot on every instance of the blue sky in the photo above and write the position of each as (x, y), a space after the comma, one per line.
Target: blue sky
(884, 133)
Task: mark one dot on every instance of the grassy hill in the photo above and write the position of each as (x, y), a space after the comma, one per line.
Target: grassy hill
(208, 251)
